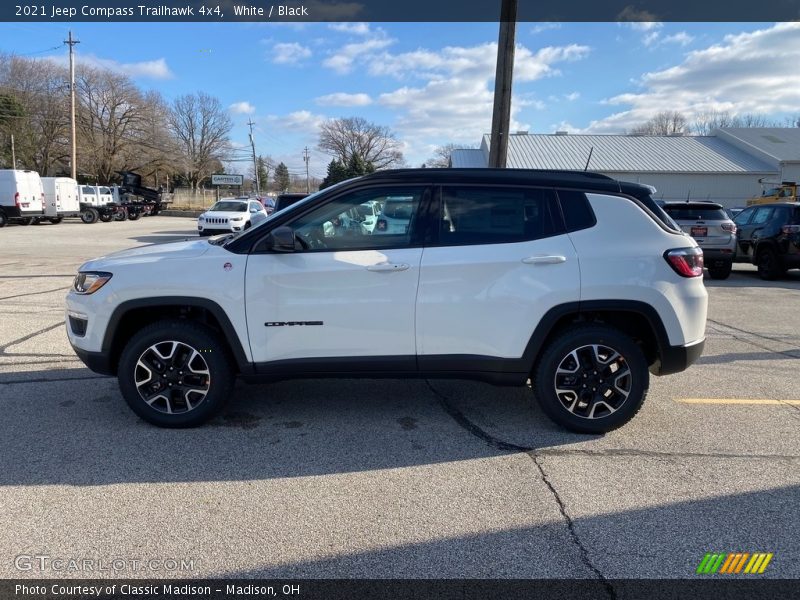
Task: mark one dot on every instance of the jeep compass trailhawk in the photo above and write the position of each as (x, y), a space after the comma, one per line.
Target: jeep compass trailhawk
(574, 282)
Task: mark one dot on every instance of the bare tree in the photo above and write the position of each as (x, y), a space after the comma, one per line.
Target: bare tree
(375, 144)
(156, 157)
(707, 121)
(110, 114)
(441, 156)
(668, 122)
(201, 126)
(41, 124)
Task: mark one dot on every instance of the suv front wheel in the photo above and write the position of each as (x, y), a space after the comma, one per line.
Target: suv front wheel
(591, 379)
(175, 374)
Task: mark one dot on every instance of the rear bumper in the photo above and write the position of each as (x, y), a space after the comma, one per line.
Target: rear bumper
(675, 359)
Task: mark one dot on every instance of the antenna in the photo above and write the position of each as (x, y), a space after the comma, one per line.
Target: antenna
(586, 168)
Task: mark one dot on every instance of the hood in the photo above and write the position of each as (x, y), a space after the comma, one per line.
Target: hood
(155, 252)
(224, 214)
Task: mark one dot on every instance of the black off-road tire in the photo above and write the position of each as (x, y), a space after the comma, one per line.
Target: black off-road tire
(584, 342)
(139, 374)
(769, 264)
(722, 272)
(3, 219)
(90, 215)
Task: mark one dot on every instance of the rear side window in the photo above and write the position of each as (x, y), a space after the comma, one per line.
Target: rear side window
(484, 215)
(695, 213)
(576, 209)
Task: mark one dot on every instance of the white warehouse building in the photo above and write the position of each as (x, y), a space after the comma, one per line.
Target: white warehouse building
(724, 167)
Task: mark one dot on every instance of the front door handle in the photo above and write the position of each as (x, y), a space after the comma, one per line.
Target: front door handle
(549, 259)
(388, 267)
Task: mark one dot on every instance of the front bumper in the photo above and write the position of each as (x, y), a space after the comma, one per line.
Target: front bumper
(675, 359)
(99, 362)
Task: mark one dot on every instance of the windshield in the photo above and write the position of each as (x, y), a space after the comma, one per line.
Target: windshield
(229, 206)
(696, 213)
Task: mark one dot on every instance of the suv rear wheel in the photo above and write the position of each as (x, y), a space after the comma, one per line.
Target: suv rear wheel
(721, 272)
(175, 374)
(591, 379)
(769, 264)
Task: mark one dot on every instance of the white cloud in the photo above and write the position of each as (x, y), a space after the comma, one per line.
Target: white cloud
(242, 108)
(544, 27)
(454, 102)
(351, 28)
(342, 60)
(752, 72)
(344, 99)
(682, 38)
(644, 25)
(572, 96)
(147, 69)
(289, 53)
(302, 121)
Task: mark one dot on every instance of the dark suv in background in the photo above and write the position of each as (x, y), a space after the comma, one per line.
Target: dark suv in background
(769, 237)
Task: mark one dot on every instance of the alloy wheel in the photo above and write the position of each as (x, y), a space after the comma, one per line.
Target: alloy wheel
(593, 381)
(172, 377)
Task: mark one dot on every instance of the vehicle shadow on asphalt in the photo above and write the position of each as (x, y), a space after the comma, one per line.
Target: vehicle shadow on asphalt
(750, 279)
(72, 427)
(165, 238)
(663, 540)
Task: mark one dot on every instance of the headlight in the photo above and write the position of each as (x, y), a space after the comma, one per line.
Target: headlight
(90, 282)
(201, 218)
(236, 218)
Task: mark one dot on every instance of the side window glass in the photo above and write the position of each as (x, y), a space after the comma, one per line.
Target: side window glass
(743, 217)
(577, 210)
(762, 215)
(478, 215)
(344, 223)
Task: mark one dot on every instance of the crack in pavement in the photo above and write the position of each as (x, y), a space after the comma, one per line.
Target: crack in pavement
(25, 338)
(584, 551)
(59, 289)
(501, 445)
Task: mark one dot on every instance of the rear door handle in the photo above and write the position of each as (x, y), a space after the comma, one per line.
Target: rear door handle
(550, 259)
(388, 267)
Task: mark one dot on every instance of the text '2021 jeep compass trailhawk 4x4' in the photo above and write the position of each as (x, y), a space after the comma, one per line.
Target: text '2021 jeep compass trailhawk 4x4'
(575, 282)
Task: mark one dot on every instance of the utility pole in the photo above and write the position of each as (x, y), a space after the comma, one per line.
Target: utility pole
(74, 157)
(501, 114)
(13, 154)
(306, 158)
(255, 161)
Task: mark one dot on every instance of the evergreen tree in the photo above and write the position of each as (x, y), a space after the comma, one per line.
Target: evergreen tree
(282, 178)
(336, 173)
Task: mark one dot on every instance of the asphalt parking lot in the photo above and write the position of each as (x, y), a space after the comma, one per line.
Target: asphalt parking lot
(434, 479)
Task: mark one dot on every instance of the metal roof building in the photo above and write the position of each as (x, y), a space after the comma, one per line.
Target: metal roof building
(680, 167)
(777, 146)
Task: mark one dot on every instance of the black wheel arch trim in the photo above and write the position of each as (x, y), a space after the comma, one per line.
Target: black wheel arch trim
(244, 365)
(672, 359)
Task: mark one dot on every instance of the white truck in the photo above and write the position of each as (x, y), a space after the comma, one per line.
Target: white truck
(60, 199)
(97, 203)
(21, 196)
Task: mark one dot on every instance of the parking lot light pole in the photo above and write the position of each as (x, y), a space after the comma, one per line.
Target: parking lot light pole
(501, 114)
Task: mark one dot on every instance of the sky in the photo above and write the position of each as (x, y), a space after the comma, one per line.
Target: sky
(431, 83)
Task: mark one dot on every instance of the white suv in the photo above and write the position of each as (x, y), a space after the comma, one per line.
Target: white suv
(575, 282)
(231, 215)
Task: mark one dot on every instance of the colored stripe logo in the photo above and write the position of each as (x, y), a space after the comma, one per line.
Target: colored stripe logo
(734, 563)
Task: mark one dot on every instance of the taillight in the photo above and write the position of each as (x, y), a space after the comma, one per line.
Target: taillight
(729, 227)
(686, 262)
(788, 229)
(16, 199)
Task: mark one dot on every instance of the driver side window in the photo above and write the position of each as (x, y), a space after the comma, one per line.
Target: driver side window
(363, 220)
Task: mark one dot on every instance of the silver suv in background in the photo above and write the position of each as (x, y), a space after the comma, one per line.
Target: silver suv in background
(714, 231)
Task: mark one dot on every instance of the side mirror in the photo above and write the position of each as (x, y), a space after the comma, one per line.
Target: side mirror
(281, 239)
